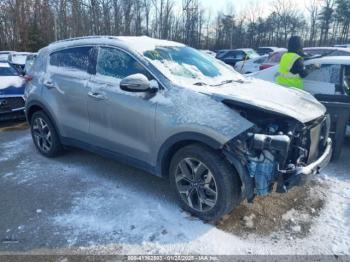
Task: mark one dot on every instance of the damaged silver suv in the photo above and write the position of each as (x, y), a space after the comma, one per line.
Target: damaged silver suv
(166, 108)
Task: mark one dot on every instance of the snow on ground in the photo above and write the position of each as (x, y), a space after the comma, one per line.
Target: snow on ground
(113, 209)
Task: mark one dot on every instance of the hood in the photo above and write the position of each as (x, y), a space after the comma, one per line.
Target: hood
(290, 102)
(11, 85)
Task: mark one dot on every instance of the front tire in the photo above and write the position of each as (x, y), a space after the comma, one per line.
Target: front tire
(44, 135)
(205, 184)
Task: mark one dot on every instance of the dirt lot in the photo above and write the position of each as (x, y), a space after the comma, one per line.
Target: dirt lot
(82, 203)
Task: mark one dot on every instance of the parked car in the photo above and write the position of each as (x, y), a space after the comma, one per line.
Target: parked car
(332, 78)
(275, 58)
(18, 60)
(11, 93)
(251, 65)
(231, 57)
(166, 108)
(269, 49)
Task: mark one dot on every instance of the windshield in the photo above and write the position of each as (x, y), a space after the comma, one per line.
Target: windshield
(8, 71)
(18, 59)
(185, 63)
(4, 57)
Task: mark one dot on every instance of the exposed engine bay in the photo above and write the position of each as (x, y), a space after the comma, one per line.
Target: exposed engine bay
(276, 148)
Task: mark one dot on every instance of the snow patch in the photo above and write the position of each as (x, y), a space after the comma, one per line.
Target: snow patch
(144, 43)
(249, 221)
(11, 81)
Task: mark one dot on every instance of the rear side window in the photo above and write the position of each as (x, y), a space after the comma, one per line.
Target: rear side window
(72, 58)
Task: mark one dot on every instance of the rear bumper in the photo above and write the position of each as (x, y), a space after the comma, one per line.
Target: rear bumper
(15, 115)
(301, 175)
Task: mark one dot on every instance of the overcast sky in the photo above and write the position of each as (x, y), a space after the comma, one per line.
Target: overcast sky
(239, 5)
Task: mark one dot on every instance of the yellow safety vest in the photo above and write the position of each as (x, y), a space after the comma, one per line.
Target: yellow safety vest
(285, 77)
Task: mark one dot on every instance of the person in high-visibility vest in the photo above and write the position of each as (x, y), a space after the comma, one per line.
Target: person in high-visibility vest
(291, 68)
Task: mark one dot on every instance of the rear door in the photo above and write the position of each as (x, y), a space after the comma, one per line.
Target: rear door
(65, 90)
(120, 121)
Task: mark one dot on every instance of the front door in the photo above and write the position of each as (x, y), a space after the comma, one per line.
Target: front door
(121, 122)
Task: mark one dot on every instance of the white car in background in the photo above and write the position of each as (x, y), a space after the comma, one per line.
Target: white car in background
(333, 77)
(251, 65)
(275, 58)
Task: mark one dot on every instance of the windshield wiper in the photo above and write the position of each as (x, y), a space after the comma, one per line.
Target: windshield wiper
(229, 82)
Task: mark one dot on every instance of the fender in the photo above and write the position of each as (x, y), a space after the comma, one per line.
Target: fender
(174, 142)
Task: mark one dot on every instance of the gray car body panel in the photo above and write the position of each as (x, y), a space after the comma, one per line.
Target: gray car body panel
(293, 103)
(142, 126)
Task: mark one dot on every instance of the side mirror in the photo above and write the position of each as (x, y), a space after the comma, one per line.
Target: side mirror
(135, 83)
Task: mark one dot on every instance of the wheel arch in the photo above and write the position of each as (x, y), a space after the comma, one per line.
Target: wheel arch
(35, 106)
(176, 142)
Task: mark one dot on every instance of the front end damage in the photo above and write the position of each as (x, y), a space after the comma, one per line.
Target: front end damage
(278, 150)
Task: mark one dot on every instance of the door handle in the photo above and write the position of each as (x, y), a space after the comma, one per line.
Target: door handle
(96, 95)
(49, 84)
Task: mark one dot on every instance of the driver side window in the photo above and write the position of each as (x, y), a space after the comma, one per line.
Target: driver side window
(116, 63)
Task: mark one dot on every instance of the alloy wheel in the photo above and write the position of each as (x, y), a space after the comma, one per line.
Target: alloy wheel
(42, 134)
(196, 184)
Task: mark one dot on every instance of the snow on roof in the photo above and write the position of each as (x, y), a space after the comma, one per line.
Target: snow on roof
(136, 43)
(328, 48)
(245, 49)
(335, 60)
(144, 43)
(271, 47)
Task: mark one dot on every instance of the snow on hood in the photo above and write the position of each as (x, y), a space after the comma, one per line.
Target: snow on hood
(299, 105)
(11, 81)
(296, 104)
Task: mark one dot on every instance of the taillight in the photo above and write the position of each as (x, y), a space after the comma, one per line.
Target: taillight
(264, 66)
(28, 78)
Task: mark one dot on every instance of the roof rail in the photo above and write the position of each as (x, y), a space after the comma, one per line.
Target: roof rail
(83, 37)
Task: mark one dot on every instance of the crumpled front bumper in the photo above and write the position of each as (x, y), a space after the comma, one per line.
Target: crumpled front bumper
(301, 175)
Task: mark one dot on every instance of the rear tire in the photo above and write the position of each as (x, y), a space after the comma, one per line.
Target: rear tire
(44, 135)
(205, 184)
